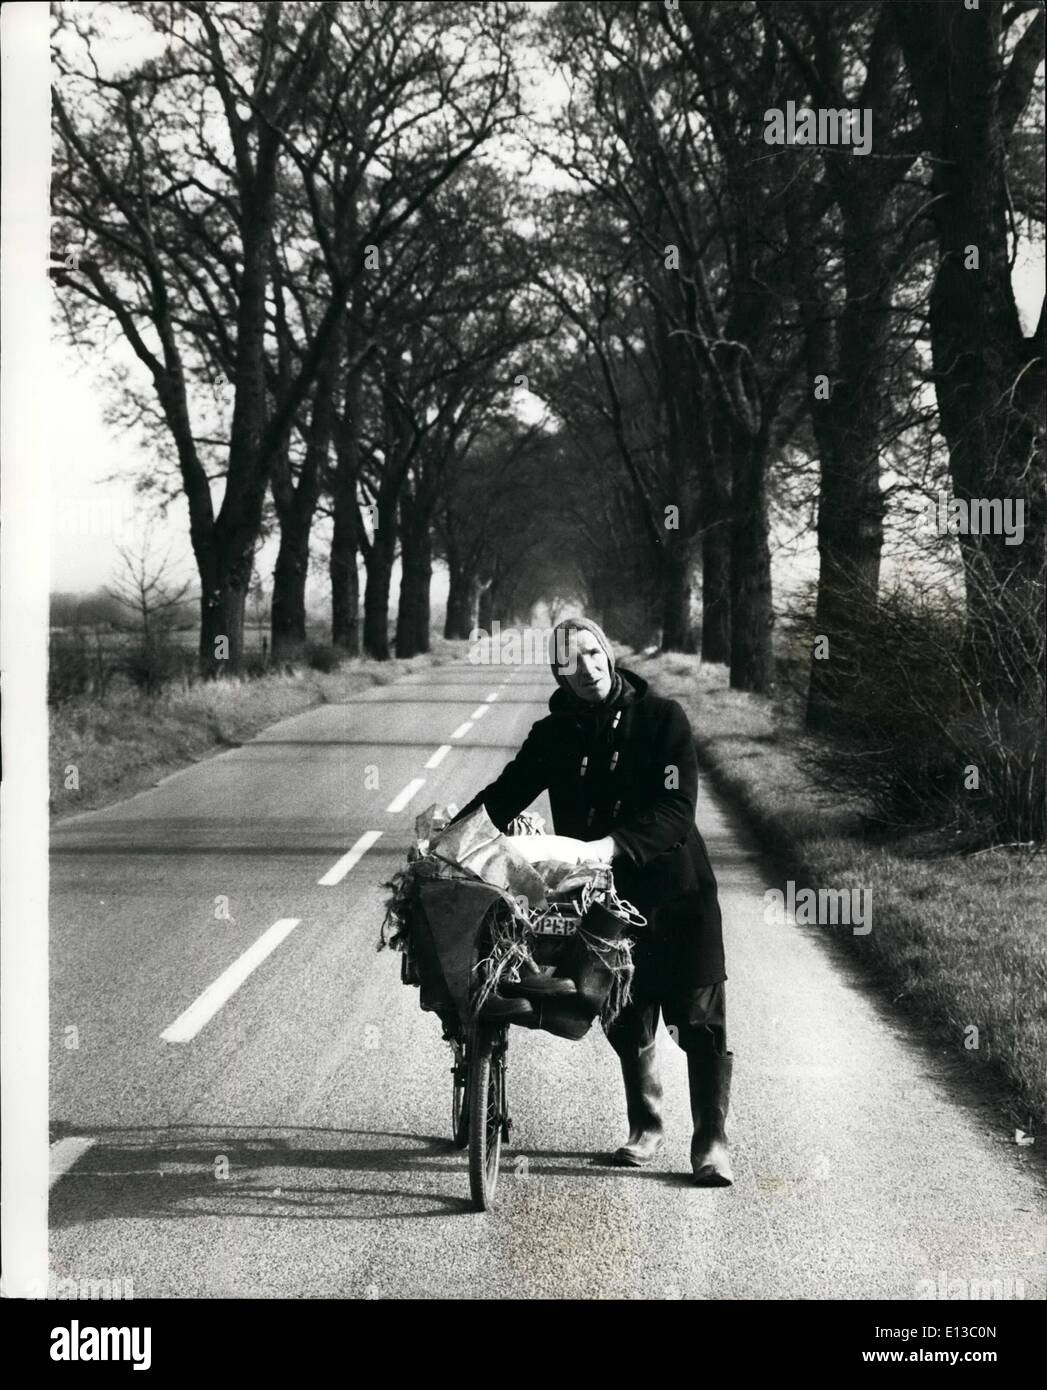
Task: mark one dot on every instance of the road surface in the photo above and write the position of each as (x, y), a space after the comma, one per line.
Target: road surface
(245, 1101)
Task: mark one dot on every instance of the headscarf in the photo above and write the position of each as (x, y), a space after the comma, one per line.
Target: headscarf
(596, 715)
(569, 625)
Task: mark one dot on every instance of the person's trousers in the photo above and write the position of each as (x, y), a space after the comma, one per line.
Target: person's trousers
(695, 1015)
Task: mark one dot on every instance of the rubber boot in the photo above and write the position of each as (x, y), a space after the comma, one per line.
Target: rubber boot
(564, 1017)
(709, 1079)
(591, 976)
(643, 1105)
(499, 1010)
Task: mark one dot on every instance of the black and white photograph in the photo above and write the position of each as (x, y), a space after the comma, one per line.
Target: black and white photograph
(523, 604)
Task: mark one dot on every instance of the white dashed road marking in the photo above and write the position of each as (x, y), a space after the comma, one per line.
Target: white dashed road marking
(402, 798)
(462, 729)
(439, 755)
(187, 1025)
(65, 1152)
(479, 712)
(338, 872)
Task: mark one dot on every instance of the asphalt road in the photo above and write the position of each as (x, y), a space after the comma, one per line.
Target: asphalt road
(284, 1130)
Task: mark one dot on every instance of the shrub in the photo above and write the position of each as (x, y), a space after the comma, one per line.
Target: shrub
(254, 666)
(916, 736)
(151, 663)
(323, 658)
(81, 664)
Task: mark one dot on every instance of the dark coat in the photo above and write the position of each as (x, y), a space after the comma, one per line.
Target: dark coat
(645, 797)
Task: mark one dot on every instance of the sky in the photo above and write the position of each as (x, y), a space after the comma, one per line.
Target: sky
(94, 509)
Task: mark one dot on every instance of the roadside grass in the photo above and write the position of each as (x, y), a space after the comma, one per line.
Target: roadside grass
(130, 741)
(959, 941)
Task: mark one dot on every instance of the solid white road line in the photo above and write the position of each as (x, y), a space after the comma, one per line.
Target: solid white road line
(479, 711)
(462, 729)
(338, 872)
(65, 1152)
(439, 755)
(402, 798)
(187, 1025)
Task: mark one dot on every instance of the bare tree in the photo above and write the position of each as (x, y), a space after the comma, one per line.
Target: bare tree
(150, 599)
(973, 71)
(174, 176)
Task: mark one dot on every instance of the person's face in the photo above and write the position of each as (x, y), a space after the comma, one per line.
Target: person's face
(588, 673)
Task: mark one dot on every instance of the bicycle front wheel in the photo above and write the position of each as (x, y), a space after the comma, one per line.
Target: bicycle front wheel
(487, 1118)
(460, 1097)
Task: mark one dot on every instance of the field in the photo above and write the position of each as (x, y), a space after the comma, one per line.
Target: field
(95, 660)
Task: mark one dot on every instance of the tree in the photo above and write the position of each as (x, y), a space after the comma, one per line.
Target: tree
(972, 72)
(150, 600)
(742, 326)
(665, 131)
(120, 184)
(621, 291)
(182, 214)
(150, 605)
(491, 497)
(853, 226)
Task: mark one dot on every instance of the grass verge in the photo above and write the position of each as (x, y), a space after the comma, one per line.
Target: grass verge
(101, 752)
(959, 941)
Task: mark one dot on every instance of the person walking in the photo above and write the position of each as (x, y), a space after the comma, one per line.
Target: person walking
(620, 768)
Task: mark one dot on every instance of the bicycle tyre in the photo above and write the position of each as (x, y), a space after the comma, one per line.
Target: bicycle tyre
(460, 1097)
(486, 1092)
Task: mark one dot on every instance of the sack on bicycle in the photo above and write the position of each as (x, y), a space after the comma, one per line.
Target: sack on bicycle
(484, 922)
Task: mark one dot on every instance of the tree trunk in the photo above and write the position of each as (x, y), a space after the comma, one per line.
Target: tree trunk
(850, 535)
(500, 594)
(500, 612)
(379, 556)
(379, 563)
(345, 586)
(289, 579)
(231, 545)
(752, 609)
(485, 607)
(712, 429)
(345, 538)
(224, 563)
(461, 604)
(222, 629)
(716, 593)
(677, 628)
(993, 422)
(848, 428)
(416, 561)
(679, 401)
(989, 376)
(850, 541)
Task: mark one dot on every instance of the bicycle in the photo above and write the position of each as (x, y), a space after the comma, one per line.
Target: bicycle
(457, 950)
(487, 1120)
(479, 1077)
(478, 1088)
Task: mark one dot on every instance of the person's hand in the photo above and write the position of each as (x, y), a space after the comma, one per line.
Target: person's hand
(602, 851)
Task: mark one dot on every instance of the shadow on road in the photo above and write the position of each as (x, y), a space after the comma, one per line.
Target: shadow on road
(250, 1171)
